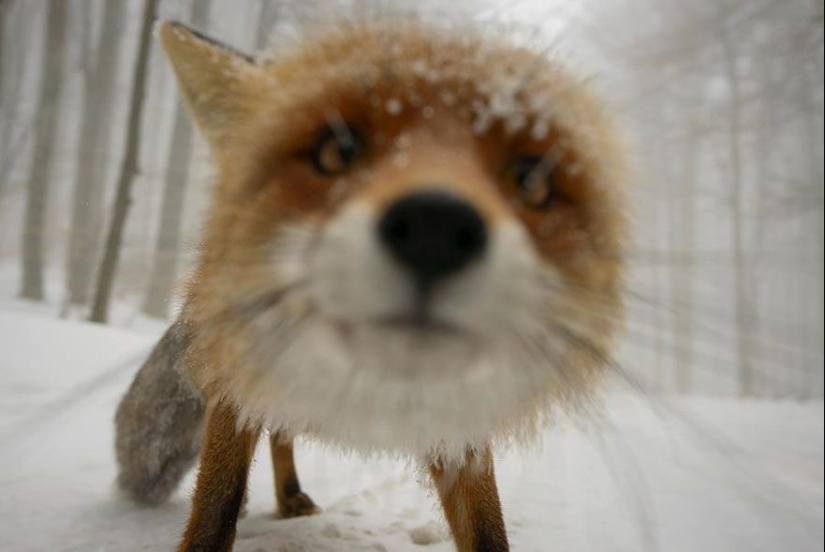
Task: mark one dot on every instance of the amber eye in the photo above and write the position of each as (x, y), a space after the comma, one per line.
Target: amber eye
(337, 151)
(534, 179)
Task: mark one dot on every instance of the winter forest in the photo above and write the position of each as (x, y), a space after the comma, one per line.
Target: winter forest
(103, 184)
(722, 102)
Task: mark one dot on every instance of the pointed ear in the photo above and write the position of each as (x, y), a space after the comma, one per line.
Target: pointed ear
(217, 82)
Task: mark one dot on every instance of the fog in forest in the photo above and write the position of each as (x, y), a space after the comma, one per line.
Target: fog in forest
(104, 184)
(722, 103)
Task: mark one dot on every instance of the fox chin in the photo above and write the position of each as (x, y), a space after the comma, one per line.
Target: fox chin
(414, 248)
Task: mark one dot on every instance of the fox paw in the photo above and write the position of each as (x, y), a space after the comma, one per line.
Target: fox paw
(299, 505)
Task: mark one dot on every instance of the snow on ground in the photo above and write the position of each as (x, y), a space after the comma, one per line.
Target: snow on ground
(709, 475)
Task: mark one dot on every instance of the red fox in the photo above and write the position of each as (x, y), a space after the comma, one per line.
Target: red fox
(414, 248)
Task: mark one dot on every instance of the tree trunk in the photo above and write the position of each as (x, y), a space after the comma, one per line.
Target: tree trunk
(766, 130)
(683, 269)
(4, 8)
(16, 47)
(8, 128)
(269, 15)
(661, 168)
(46, 125)
(93, 155)
(167, 249)
(812, 313)
(743, 304)
(128, 170)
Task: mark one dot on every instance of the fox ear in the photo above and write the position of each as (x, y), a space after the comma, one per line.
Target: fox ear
(216, 81)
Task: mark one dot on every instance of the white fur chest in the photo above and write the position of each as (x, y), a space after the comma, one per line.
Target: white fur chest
(384, 391)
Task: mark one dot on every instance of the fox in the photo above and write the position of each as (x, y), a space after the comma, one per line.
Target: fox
(414, 248)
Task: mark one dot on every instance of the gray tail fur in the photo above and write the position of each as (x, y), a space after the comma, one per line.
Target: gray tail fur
(159, 423)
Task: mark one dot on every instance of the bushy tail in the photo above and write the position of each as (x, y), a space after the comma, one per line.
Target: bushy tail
(159, 423)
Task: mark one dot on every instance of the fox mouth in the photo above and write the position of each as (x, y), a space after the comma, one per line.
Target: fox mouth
(419, 323)
(414, 325)
(405, 348)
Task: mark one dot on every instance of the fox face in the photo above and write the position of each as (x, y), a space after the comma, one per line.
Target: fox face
(415, 239)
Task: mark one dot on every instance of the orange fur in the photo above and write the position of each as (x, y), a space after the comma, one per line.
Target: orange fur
(471, 504)
(264, 180)
(291, 501)
(260, 119)
(219, 494)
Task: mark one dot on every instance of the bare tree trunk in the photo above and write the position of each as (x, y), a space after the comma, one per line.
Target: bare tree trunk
(661, 168)
(812, 312)
(684, 269)
(763, 157)
(15, 51)
(269, 15)
(7, 132)
(167, 249)
(128, 171)
(658, 291)
(4, 8)
(93, 156)
(815, 387)
(656, 120)
(743, 300)
(766, 129)
(38, 184)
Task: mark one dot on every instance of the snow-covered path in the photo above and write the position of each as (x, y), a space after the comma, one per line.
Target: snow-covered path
(704, 475)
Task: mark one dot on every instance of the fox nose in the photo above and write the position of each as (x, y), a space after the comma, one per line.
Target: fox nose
(433, 234)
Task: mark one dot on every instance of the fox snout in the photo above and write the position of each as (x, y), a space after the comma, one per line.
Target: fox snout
(423, 234)
(428, 257)
(433, 235)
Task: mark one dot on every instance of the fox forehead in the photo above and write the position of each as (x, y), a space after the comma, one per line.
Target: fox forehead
(384, 70)
(413, 67)
(396, 76)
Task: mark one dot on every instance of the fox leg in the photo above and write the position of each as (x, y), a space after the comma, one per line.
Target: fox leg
(291, 501)
(471, 504)
(221, 485)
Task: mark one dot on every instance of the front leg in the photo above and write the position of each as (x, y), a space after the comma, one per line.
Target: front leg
(221, 486)
(471, 503)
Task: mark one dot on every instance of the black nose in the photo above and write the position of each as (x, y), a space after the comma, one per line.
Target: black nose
(433, 234)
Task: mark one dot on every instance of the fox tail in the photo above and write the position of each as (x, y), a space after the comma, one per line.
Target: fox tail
(159, 423)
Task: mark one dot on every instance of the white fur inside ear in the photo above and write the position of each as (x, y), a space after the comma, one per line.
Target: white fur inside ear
(216, 81)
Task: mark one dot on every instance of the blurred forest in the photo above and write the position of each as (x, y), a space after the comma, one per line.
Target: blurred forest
(103, 181)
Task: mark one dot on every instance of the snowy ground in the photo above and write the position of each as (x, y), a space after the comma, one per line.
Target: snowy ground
(707, 475)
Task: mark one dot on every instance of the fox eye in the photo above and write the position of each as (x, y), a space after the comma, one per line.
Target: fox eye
(337, 151)
(534, 179)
